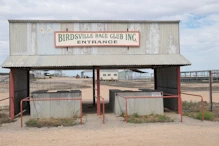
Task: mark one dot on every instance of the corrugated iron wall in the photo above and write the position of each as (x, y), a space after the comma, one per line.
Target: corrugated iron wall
(21, 88)
(166, 81)
(38, 38)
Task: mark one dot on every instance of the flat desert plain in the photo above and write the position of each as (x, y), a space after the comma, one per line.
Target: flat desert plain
(115, 131)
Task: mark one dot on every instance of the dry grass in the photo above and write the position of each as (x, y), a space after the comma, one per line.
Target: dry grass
(153, 118)
(4, 118)
(52, 122)
(193, 110)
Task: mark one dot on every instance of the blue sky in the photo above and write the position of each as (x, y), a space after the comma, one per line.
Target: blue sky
(199, 26)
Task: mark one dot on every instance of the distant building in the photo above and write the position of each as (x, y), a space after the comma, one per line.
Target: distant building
(108, 74)
(126, 75)
(105, 75)
(132, 74)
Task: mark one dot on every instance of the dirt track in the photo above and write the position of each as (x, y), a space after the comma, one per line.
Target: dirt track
(86, 84)
(190, 133)
(114, 132)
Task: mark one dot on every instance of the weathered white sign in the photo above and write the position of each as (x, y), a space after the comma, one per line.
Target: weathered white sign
(85, 39)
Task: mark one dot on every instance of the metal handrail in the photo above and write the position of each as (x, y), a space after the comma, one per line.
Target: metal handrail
(131, 97)
(201, 102)
(103, 109)
(48, 99)
(103, 112)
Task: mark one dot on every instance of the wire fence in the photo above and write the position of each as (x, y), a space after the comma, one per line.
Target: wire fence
(4, 83)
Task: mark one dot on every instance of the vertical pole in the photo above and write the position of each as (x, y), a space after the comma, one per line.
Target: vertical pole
(28, 91)
(21, 111)
(98, 90)
(103, 112)
(210, 90)
(93, 86)
(126, 109)
(179, 90)
(81, 111)
(11, 90)
(155, 79)
(196, 76)
(190, 79)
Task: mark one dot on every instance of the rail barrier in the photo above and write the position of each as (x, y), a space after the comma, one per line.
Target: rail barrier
(103, 106)
(4, 99)
(133, 97)
(47, 99)
(4, 79)
(201, 102)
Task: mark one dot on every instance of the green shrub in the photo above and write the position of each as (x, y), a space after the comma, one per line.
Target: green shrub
(153, 118)
(52, 122)
(162, 118)
(135, 115)
(207, 115)
(190, 105)
(32, 123)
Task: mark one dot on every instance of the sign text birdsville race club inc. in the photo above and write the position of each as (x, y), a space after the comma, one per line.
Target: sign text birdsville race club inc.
(85, 39)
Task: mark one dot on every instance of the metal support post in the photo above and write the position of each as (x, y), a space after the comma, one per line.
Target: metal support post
(93, 86)
(11, 90)
(179, 90)
(155, 78)
(28, 91)
(98, 90)
(210, 90)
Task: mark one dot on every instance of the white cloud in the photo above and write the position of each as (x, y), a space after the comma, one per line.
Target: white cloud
(199, 27)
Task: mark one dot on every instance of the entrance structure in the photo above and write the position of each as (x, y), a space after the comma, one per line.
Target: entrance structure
(94, 44)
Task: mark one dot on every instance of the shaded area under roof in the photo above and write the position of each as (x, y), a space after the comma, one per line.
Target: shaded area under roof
(88, 61)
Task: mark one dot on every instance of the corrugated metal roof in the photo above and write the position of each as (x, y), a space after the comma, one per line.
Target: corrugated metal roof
(138, 71)
(101, 70)
(111, 61)
(93, 21)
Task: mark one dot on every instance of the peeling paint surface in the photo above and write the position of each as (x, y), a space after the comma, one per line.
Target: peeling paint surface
(172, 47)
(152, 44)
(38, 38)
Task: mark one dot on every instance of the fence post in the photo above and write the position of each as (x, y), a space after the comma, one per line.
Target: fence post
(210, 90)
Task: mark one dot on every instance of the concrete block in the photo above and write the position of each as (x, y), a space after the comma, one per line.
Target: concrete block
(56, 108)
(141, 106)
